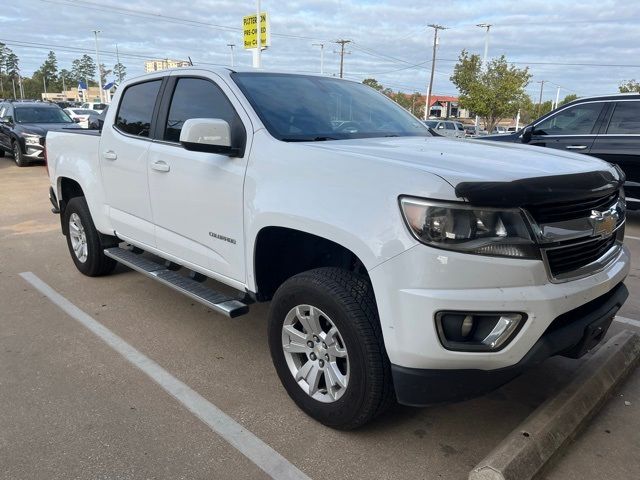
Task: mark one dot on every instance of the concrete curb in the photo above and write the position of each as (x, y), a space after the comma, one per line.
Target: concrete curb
(528, 448)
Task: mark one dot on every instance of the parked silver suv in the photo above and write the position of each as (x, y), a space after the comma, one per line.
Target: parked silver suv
(446, 127)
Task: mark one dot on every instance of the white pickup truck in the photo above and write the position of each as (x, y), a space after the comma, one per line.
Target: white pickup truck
(399, 265)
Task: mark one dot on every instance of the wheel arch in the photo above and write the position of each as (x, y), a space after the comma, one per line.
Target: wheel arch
(281, 252)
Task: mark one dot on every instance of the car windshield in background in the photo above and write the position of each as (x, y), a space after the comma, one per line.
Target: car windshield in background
(431, 123)
(41, 115)
(298, 108)
(81, 111)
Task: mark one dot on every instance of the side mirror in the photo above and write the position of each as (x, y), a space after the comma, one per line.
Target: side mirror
(211, 135)
(526, 134)
(440, 127)
(6, 119)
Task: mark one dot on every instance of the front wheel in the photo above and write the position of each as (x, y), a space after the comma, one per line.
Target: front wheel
(327, 348)
(18, 156)
(83, 240)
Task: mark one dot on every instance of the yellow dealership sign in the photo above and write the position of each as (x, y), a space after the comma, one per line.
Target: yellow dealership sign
(249, 29)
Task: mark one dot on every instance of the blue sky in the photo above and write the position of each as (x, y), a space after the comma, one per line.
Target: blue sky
(389, 38)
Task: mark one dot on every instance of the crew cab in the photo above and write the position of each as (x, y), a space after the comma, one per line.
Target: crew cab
(607, 127)
(398, 265)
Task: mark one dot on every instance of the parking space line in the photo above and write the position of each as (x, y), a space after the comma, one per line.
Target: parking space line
(631, 237)
(628, 321)
(261, 454)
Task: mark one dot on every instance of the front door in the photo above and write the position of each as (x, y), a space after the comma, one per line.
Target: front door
(573, 129)
(124, 147)
(619, 143)
(197, 197)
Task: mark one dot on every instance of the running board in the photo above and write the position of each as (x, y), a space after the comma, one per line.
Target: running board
(216, 301)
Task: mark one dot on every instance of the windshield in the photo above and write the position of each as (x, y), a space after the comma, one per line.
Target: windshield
(431, 123)
(41, 115)
(307, 108)
(83, 111)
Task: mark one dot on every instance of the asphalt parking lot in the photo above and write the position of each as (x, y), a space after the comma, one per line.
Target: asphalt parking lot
(72, 407)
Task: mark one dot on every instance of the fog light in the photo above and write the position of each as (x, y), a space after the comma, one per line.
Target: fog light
(477, 331)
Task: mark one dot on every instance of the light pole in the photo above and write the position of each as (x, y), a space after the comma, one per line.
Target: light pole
(541, 82)
(96, 32)
(484, 59)
(257, 61)
(44, 83)
(427, 106)
(321, 45)
(555, 105)
(231, 45)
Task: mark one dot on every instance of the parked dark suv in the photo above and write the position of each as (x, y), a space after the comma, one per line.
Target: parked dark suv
(607, 127)
(24, 126)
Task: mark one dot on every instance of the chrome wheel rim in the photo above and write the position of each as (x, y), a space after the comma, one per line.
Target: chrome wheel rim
(315, 353)
(78, 238)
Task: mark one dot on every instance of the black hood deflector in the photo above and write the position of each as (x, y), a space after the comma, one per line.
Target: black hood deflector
(540, 190)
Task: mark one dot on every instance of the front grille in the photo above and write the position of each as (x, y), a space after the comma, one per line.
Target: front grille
(575, 255)
(562, 211)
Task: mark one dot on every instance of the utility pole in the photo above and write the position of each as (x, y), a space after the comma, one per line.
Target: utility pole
(13, 82)
(257, 61)
(231, 45)
(321, 45)
(20, 87)
(342, 43)
(44, 83)
(484, 60)
(64, 87)
(541, 82)
(427, 107)
(95, 33)
(555, 105)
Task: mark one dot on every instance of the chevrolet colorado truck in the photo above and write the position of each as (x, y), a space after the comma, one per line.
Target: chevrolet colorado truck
(399, 265)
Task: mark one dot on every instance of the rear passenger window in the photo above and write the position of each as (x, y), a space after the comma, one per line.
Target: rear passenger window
(136, 108)
(625, 118)
(576, 120)
(198, 98)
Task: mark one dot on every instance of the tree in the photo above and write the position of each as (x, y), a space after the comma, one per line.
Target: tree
(49, 69)
(83, 68)
(493, 93)
(568, 98)
(373, 83)
(103, 73)
(629, 86)
(120, 71)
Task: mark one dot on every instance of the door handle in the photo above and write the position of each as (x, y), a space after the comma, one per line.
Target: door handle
(160, 166)
(110, 155)
(576, 147)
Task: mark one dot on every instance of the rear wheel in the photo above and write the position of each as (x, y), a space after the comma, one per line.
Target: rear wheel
(84, 242)
(327, 348)
(1, 153)
(18, 156)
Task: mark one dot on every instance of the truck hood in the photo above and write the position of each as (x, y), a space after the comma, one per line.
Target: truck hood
(490, 172)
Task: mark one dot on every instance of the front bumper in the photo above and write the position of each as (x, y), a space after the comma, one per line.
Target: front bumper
(33, 152)
(571, 334)
(411, 287)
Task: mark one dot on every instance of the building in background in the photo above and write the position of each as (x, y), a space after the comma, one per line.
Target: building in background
(164, 64)
(74, 95)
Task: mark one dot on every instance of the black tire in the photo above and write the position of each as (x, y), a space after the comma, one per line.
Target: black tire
(348, 300)
(1, 153)
(96, 263)
(18, 156)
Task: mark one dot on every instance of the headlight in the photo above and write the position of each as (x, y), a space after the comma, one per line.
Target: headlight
(31, 139)
(463, 228)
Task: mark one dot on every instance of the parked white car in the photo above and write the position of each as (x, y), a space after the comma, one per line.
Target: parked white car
(80, 115)
(96, 106)
(398, 265)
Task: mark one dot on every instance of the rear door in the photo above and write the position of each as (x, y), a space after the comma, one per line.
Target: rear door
(124, 146)
(619, 142)
(197, 197)
(573, 128)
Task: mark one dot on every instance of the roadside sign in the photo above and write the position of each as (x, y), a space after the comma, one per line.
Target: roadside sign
(249, 31)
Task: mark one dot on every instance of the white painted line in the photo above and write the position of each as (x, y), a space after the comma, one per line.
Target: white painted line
(265, 457)
(628, 321)
(632, 238)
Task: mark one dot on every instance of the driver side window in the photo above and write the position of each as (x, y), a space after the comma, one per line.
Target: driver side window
(576, 120)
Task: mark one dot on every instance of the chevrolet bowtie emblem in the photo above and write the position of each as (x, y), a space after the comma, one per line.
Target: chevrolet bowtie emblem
(604, 223)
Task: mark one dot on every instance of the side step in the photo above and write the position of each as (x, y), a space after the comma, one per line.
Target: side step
(216, 301)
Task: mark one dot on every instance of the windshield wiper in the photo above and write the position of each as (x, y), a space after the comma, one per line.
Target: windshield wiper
(315, 139)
